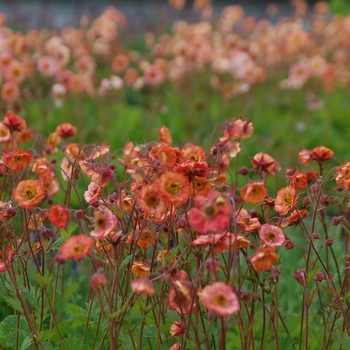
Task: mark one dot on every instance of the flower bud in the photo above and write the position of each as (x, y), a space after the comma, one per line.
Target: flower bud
(336, 220)
(300, 277)
(316, 235)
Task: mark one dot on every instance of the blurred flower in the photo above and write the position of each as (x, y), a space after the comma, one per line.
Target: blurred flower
(76, 247)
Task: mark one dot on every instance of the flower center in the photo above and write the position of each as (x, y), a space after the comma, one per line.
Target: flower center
(173, 187)
(152, 200)
(220, 300)
(28, 193)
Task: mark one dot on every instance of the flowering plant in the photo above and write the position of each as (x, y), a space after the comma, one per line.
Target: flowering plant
(160, 248)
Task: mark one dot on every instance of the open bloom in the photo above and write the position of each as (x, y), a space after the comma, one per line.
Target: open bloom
(174, 188)
(211, 213)
(254, 192)
(29, 193)
(271, 235)
(220, 298)
(143, 287)
(180, 299)
(59, 216)
(93, 193)
(263, 259)
(286, 200)
(76, 247)
(105, 222)
(149, 199)
(17, 160)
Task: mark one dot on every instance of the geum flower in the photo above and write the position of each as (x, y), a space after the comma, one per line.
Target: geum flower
(254, 192)
(105, 222)
(29, 193)
(17, 160)
(93, 193)
(210, 214)
(174, 188)
(6, 257)
(286, 200)
(181, 299)
(271, 235)
(263, 259)
(76, 247)
(59, 216)
(220, 298)
(342, 177)
(246, 221)
(221, 241)
(149, 199)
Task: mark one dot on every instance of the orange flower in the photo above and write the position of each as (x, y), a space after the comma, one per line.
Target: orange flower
(262, 162)
(180, 300)
(321, 153)
(298, 180)
(59, 216)
(177, 329)
(165, 135)
(174, 188)
(202, 186)
(254, 192)
(263, 259)
(140, 269)
(246, 221)
(76, 247)
(192, 153)
(342, 177)
(66, 130)
(14, 122)
(286, 200)
(146, 238)
(17, 160)
(29, 193)
(149, 200)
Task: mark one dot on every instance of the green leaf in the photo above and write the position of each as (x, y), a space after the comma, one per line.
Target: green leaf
(43, 281)
(14, 303)
(27, 342)
(344, 341)
(286, 343)
(150, 332)
(126, 261)
(75, 343)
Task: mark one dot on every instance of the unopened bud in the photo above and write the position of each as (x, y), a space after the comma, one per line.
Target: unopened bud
(316, 235)
(300, 277)
(336, 220)
(243, 171)
(289, 245)
(319, 276)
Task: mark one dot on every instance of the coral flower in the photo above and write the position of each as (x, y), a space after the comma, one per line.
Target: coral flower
(321, 154)
(342, 177)
(271, 235)
(246, 221)
(93, 193)
(298, 180)
(149, 199)
(254, 192)
(220, 298)
(305, 157)
(192, 153)
(143, 287)
(59, 216)
(29, 193)
(17, 160)
(165, 135)
(146, 239)
(6, 256)
(5, 134)
(180, 301)
(14, 122)
(177, 329)
(174, 188)
(154, 75)
(211, 213)
(263, 259)
(262, 162)
(98, 278)
(295, 216)
(10, 91)
(66, 130)
(105, 222)
(202, 186)
(140, 269)
(286, 200)
(76, 247)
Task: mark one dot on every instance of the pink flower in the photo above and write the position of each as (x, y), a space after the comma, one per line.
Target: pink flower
(10, 91)
(93, 193)
(220, 298)
(154, 75)
(211, 213)
(271, 235)
(47, 66)
(105, 222)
